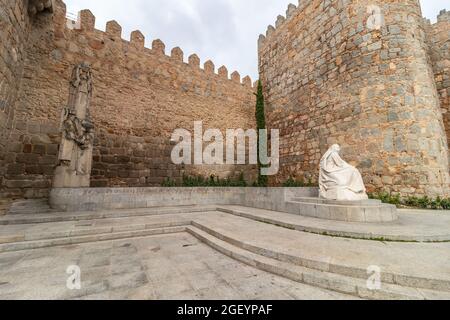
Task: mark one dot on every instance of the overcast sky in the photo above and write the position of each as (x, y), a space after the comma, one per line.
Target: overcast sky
(225, 31)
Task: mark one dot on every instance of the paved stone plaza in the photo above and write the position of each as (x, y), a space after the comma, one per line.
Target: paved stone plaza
(174, 266)
(219, 252)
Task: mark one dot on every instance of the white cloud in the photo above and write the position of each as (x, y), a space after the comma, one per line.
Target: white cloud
(225, 31)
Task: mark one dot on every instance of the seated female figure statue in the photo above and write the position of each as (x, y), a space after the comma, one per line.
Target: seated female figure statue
(339, 180)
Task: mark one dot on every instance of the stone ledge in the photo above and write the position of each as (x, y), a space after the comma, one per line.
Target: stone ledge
(276, 199)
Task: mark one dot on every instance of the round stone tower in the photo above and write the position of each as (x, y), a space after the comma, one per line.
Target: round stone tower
(356, 73)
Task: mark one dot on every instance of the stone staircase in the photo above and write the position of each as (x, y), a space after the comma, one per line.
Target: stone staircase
(251, 241)
(21, 218)
(32, 206)
(308, 272)
(4, 206)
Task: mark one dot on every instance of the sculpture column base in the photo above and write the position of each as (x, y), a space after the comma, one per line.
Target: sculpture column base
(68, 178)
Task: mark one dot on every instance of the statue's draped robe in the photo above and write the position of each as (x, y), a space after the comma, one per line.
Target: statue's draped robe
(339, 180)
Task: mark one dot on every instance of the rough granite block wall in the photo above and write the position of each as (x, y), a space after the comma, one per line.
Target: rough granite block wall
(14, 29)
(140, 97)
(329, 78)
(439, 41)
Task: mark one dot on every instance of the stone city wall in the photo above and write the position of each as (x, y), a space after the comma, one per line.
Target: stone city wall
(331, 76)
(14, 30)
(439, 41)
(140, 97)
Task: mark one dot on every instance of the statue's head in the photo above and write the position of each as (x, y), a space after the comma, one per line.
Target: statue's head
(336, 148)
(85, 66)
(84, 70)
(82, 76)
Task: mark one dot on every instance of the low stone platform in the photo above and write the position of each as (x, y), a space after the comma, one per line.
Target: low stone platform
(351, 211)
(411, 225)
(301, 201)
(36, 248)
(334, 263)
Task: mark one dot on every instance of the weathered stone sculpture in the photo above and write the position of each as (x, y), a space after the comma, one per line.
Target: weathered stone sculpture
(339, 180)
(75, 153)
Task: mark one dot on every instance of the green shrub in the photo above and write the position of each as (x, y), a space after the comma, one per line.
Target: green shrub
(169, 183)
(445, 203)
(386, 197)
(212, 181)
(412, 201)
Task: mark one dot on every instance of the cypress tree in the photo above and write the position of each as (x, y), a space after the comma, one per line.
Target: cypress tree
(260, 124)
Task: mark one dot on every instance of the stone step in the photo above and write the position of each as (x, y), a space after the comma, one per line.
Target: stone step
(315, 262)
(28, 245)
(325, 280)
(79, 216)
(31, 206)
(317, 200)
(4, 205)
(87, 231)
(342, 212)
(412, 227)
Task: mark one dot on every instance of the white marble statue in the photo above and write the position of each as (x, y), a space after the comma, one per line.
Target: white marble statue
(339, 180)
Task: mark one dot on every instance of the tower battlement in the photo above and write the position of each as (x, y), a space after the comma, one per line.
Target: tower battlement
(291, 11)
(444, 15)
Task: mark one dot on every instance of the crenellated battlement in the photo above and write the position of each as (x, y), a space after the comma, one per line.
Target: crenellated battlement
(444, 16)
(85, 22)
(292, 10)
